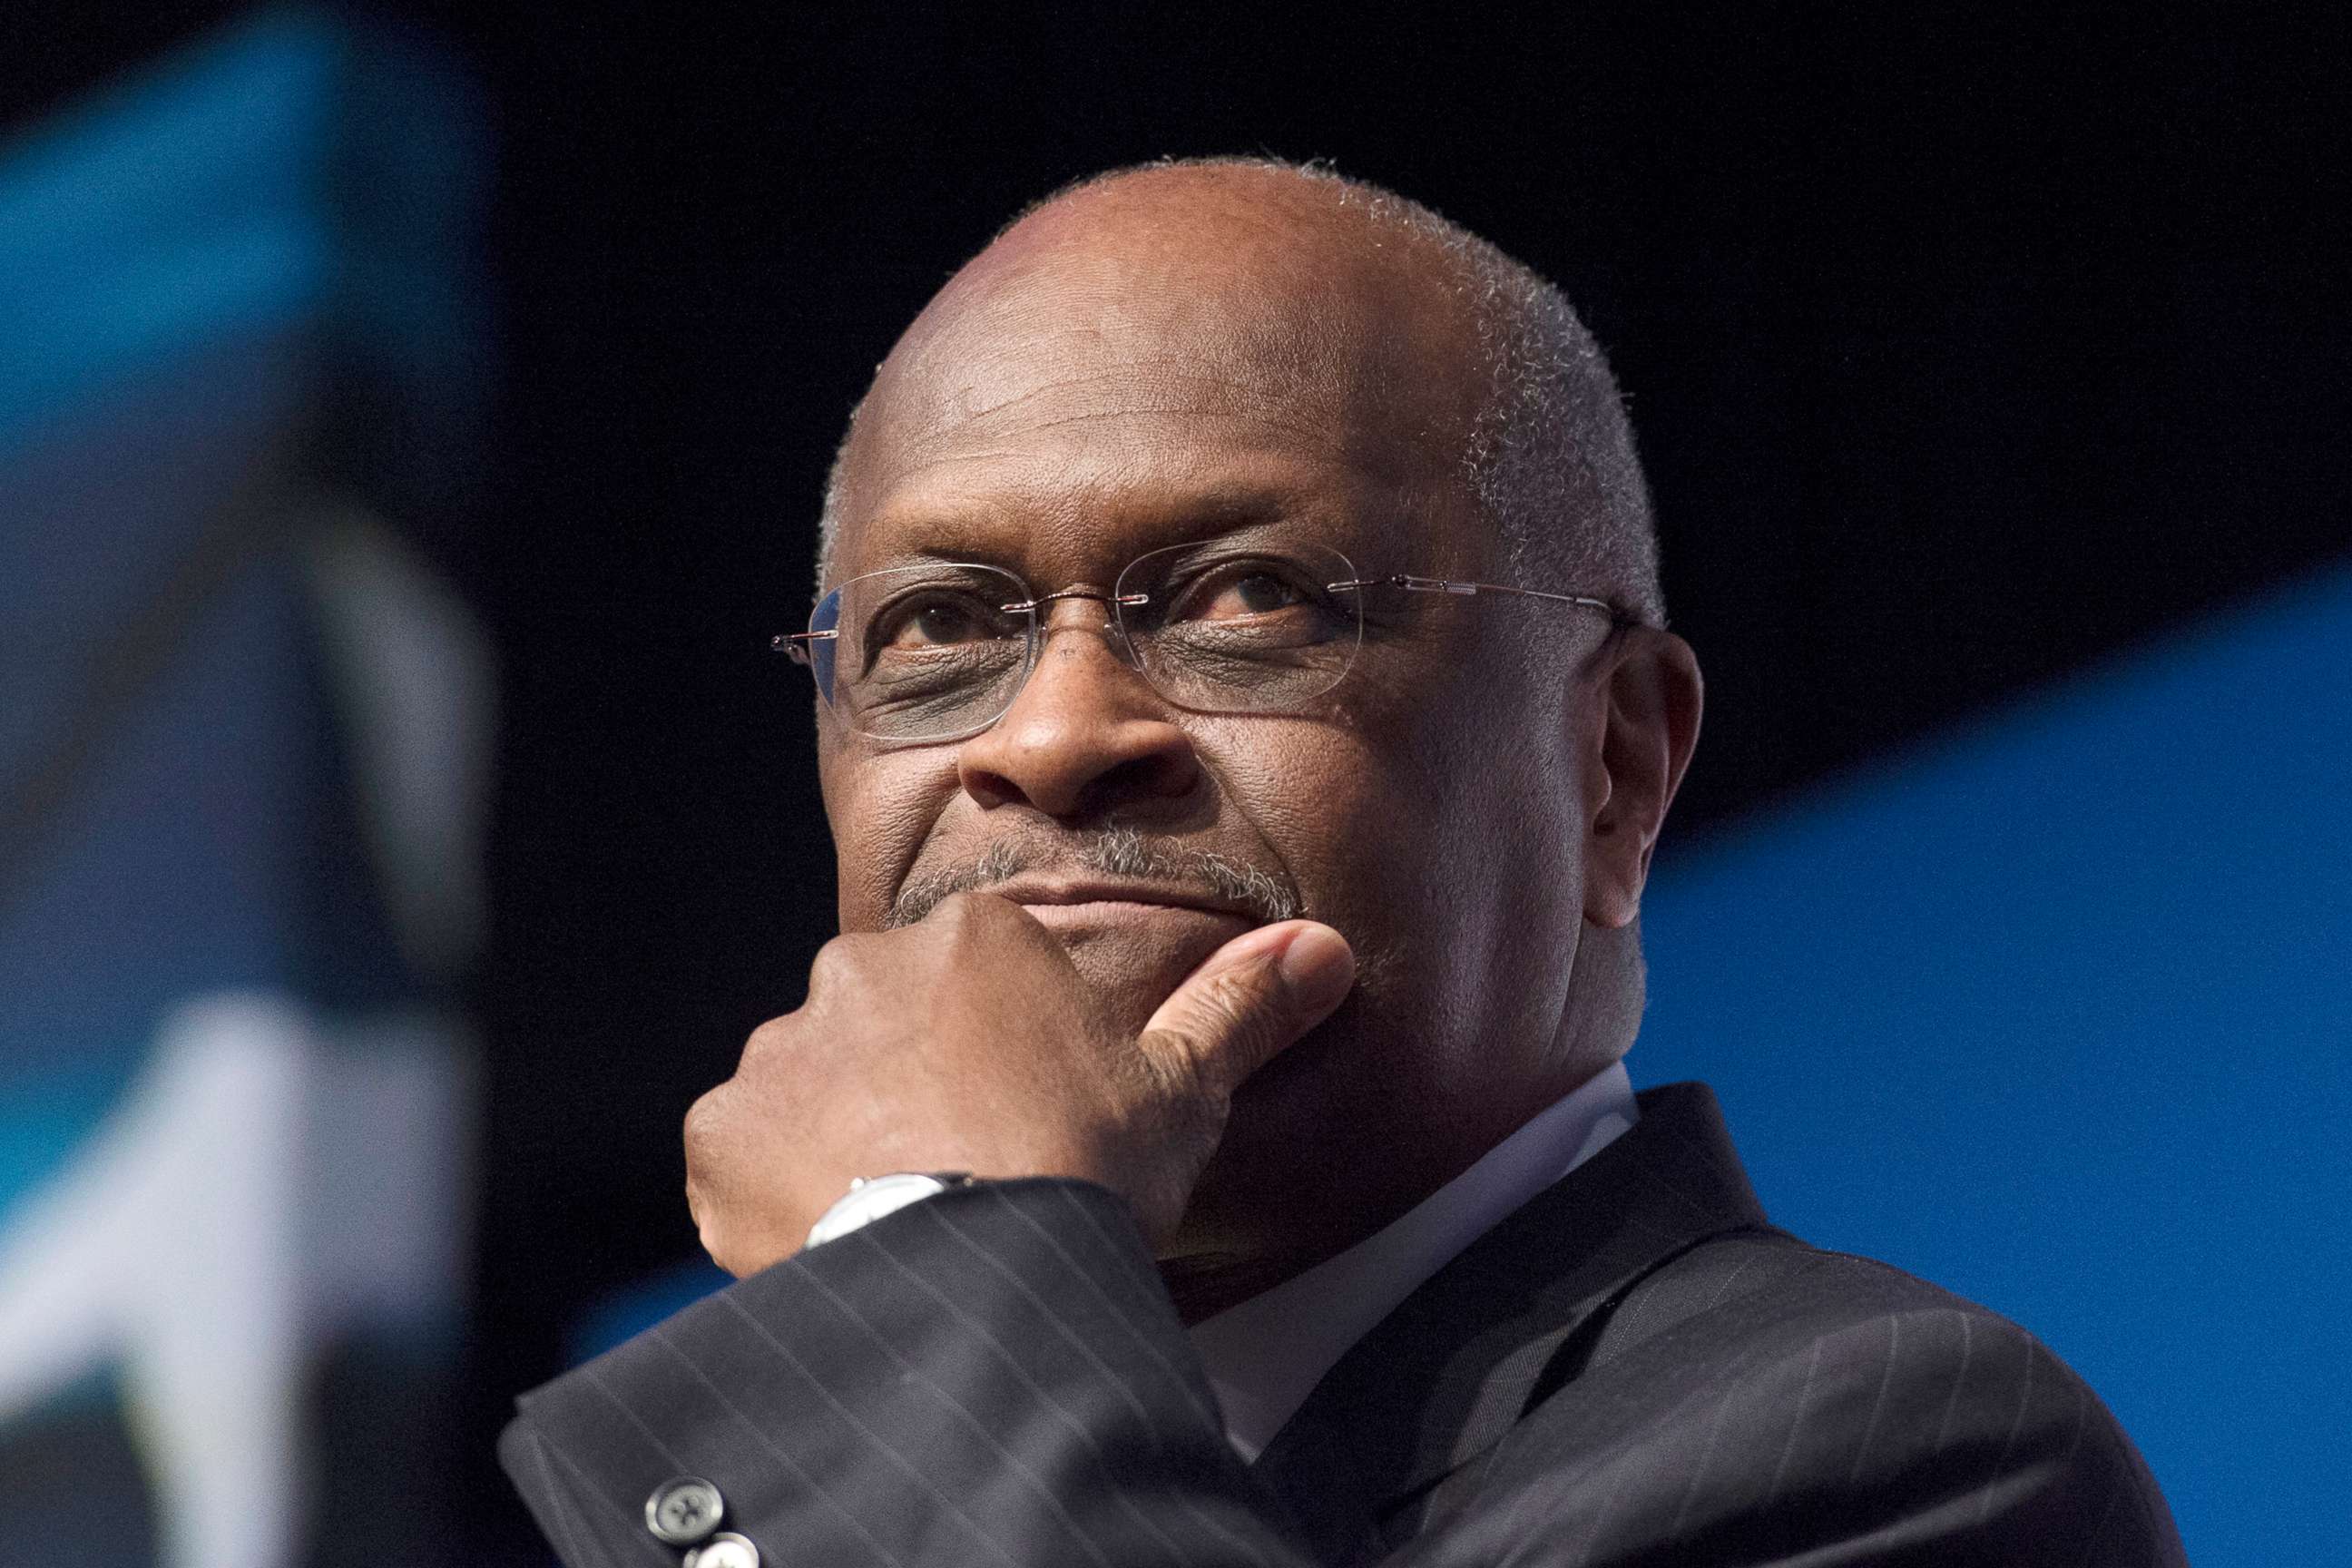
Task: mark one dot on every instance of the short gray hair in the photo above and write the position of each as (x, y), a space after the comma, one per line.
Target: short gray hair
(1550, 457)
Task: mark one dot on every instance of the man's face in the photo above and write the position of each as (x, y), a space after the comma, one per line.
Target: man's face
(1111, 382)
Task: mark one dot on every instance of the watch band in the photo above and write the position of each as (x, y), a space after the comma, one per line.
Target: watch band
(870, 1198)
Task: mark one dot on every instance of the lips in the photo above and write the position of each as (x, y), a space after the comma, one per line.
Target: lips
(1056, 902)
(1132, 939)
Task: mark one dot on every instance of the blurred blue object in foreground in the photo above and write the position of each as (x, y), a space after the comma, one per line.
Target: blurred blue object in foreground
(243, 740)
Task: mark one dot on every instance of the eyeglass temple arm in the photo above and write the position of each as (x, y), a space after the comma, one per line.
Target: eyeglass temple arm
(1447, 586)
(794, 645)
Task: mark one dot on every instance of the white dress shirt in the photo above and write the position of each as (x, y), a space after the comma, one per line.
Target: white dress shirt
(1265, 1356)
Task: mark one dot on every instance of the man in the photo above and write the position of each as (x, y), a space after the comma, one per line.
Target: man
(1240, 916)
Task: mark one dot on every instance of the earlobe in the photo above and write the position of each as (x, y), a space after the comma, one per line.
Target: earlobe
(1650, 698)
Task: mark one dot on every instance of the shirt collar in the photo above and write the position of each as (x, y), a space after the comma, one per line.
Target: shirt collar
(1265, 1356)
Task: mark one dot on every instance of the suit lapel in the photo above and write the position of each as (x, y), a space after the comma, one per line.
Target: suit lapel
(1443, 1377)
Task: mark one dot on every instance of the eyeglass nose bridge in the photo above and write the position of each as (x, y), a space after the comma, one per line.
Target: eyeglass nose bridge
(1037, 609)
(1114, 631)
(1077, 591)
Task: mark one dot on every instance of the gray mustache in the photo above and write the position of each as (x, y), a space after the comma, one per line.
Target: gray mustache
(1109, 852)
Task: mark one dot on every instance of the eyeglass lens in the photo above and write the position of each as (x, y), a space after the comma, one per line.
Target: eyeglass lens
(933, 652)
(923, 651)
(1238, 628)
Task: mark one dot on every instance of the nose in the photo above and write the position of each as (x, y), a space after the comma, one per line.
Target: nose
(1086, 736)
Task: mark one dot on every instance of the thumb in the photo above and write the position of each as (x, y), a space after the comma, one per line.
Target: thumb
(1251, 998)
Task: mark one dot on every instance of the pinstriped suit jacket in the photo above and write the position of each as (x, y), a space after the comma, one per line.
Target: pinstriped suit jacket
(1634, 1368)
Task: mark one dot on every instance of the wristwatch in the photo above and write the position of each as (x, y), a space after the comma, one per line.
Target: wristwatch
(870, 1198)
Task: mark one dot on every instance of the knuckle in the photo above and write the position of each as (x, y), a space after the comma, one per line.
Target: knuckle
(969, 912)
(771, 1038)
(833, 962)
(718, 1245)
(708, 1180)
(702, 1134)
(844, 964)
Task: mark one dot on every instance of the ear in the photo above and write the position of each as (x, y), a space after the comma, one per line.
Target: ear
(1649, 696)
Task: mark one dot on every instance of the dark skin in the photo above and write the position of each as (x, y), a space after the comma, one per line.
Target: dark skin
(1467, 820)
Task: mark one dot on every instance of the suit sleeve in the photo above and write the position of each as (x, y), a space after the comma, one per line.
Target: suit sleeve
(994, 1375)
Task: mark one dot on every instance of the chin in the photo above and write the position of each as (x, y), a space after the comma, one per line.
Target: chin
(1132, 968)
(1287, 1135)
(1327, 1142)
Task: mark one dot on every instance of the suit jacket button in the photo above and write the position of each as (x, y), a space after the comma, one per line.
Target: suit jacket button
(724, 1550)
(683, 1512)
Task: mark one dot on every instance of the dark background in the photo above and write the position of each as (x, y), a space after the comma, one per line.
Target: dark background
(1965, 348)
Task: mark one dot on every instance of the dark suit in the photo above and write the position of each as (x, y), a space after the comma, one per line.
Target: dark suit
(1632, 1368)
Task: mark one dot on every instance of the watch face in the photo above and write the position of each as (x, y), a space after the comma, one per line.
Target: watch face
(870, 1200)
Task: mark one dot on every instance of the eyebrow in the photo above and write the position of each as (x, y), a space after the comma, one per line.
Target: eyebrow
(955, 533)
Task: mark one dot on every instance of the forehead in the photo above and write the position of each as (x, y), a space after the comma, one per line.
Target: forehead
(1100, 388)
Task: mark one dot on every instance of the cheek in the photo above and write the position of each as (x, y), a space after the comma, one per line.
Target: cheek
(881, 807)
(1432, 827)
(1306, 789)
(1358, 809)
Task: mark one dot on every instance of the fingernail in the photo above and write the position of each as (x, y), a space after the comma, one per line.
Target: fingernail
(1317, 967)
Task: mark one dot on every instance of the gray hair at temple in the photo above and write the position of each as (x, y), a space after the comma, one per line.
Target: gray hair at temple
(1551, 455)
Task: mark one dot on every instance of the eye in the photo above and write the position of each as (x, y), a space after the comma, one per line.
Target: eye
(1249, 592)
(934, 622)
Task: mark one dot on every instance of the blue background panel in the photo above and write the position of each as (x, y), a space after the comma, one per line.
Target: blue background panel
(2054, 1013)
